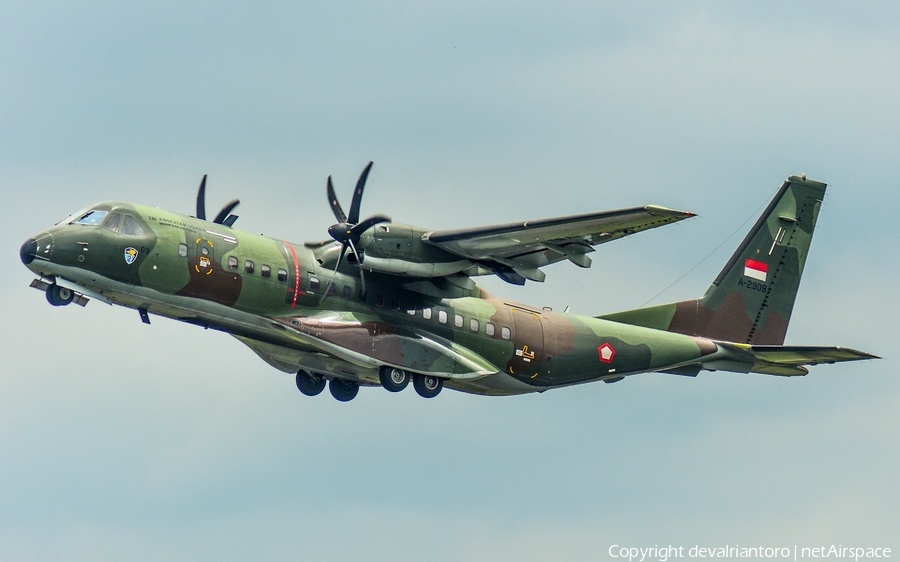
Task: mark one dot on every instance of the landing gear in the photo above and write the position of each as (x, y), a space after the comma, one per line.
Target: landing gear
(310, 384)
(428, 386)
(59, 296)
(393, 380)
(343, 390)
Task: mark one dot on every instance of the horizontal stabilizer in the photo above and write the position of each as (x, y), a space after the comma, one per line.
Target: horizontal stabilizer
(777, 360)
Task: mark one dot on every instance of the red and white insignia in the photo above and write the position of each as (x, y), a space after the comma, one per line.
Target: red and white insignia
(606, 353)
(756, 270)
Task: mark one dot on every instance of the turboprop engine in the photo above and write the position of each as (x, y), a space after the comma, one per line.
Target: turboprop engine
(399, 249)
(376, 244)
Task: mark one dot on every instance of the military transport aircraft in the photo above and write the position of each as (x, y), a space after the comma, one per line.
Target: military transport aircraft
(385, 303)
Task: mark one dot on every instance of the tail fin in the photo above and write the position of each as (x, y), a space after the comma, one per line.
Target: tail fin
(752, 298)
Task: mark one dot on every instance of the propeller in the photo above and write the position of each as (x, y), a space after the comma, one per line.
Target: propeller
(224, 217)
(349, 229)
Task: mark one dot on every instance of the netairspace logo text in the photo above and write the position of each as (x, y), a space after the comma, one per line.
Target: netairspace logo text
(663, 553)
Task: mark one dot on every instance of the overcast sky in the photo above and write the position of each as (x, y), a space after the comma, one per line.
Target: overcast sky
(121, 441)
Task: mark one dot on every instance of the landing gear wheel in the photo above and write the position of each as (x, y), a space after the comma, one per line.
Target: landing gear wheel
(428, 386)
(343, 391)
(309, 384)
(59, 296)
(393, 380)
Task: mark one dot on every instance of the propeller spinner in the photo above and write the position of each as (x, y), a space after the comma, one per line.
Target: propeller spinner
(348, 229)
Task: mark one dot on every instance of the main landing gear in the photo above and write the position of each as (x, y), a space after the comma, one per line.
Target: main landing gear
(392, 379)
(343, 390)
(312, 384)
(428, 386)
(309, 384)
(395, 380)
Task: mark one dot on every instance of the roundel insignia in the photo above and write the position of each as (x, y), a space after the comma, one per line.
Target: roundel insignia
(130, 255)
(606, 353)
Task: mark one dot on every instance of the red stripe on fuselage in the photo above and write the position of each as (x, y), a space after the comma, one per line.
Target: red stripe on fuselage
(296, 273)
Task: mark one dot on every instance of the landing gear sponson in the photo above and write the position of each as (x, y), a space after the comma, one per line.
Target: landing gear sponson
(392, 379)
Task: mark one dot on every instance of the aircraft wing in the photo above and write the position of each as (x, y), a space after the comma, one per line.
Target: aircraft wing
(517, 251)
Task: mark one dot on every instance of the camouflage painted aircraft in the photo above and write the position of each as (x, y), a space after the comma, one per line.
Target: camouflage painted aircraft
(383, 304)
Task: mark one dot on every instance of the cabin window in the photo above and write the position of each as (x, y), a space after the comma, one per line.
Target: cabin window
(232, 262)
(282, 275)
(473, 325)
(313, 283)
(249, 266)
(442, 316)
(204, 250)
(411, 308)
(265, 271)
(426, 313)
(379, 301)
(182, 250)
(330, 289)
(458, 321)
(112, 222)
(130, 227)
(489, 329)
(395, 304)
(504, 333)
(91, 218)
(346, 291)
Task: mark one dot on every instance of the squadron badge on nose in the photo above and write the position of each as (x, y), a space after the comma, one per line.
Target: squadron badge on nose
(130, 255)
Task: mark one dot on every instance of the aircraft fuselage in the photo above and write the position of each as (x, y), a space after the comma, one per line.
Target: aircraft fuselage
(285, 301)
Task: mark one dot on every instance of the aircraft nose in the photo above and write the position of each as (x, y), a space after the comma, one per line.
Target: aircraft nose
(28, 251)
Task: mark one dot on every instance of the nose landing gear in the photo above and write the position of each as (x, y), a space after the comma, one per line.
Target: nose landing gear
(59, 296)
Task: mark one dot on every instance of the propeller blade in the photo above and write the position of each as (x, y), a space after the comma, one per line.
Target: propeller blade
(362, 275)
(330, 285)
(335, 206)
(226, 210)
(357, 195)
(365, 225)
(229, 222)
(201, 199)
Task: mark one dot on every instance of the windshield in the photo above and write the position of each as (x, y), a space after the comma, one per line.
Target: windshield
(91, 218)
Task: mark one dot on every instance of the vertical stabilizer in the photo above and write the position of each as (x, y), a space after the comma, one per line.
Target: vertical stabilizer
(752, 298)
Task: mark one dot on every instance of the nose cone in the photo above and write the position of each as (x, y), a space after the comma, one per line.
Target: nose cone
(28, 251)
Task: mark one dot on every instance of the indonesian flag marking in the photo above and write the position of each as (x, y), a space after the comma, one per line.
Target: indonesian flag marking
(756, 270)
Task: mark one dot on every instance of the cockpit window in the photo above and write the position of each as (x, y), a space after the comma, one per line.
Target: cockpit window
(112, 222)
(91, 218)
(130, 227)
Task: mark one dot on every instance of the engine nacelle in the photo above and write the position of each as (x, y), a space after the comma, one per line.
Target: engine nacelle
(398, 249)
